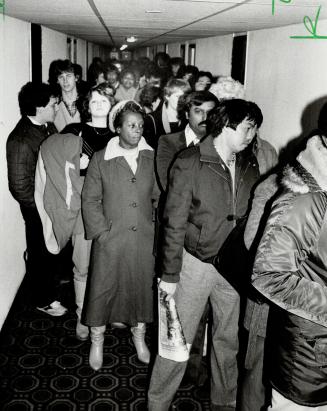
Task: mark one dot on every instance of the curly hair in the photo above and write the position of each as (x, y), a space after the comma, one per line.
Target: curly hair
(226, 88)
(105, 89)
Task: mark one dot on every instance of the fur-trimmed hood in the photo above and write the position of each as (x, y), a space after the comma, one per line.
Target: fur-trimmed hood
(298, 180)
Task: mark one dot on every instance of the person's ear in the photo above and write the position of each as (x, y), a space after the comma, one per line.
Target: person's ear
(186, 115)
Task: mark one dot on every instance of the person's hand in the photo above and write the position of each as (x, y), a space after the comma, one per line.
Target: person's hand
(169, 288)
(83, 161)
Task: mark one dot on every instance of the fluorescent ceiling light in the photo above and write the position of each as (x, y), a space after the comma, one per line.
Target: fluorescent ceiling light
(153, 11)
(131, 39)
(123, 47)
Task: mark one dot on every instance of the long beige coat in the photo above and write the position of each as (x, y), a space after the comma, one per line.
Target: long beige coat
(117, 210)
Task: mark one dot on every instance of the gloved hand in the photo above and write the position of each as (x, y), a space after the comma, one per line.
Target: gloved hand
(169, 288)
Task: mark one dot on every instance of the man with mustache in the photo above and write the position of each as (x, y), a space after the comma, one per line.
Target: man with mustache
(195, 106)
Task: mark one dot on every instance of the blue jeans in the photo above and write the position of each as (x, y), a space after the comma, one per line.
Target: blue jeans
(198, 282)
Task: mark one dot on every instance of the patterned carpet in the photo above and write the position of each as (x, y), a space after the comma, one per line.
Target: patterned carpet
(44, 367)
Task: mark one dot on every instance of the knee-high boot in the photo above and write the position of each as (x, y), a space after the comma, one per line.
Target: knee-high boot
(138, 334)
(82, 331)
(96, 350)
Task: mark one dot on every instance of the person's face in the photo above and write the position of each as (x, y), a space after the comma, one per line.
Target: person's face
(242, 136)
(128, 80)
(316, 153)
(112, 77)
(203, 83)
(175, 68)
(47, 114)
(187, 76)
(172, 100)
(99, 105)
(155, 81)
(197, 117)
(67, 81)
(131, 130)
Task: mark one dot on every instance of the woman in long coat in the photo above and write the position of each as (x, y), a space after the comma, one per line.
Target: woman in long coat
(117, 202)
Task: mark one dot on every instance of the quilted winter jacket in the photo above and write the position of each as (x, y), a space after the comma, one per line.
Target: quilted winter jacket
(22, 150)
(201, 209)
(290, 270)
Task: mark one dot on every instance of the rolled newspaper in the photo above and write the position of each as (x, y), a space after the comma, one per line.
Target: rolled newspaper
(172, 343)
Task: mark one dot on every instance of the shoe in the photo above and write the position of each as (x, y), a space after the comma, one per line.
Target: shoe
(96, 350)
(82, 331)
(138, 334)
(55, 309)
(118, 325)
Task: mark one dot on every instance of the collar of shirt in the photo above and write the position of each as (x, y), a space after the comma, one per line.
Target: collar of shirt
(190, 136)
(32, 120)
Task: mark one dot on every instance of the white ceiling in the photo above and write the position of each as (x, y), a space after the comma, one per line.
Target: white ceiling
(173, 20)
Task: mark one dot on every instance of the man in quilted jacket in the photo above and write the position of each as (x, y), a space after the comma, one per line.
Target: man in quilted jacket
(38, 108)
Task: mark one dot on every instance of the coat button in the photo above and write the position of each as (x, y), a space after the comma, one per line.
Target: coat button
(134, 228)
(133, 180)
(134, 205)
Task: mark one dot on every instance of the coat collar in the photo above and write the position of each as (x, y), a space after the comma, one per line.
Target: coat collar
(208, 152)
(298, 180)
(114, 150)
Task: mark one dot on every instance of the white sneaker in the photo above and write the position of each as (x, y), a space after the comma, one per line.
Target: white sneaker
(55, 309)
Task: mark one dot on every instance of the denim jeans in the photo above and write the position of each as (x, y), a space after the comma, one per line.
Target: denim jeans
(198, 282)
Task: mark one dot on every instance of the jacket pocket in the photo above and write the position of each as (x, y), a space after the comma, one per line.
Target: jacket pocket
(320, 350)
(103, 237)
(193, 236)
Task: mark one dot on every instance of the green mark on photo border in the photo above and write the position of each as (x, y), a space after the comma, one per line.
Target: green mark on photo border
(2, 6)
(273, 5)
(311, 27)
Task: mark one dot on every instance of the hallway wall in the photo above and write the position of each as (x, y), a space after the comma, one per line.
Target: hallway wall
(15, 71)
(287, 79)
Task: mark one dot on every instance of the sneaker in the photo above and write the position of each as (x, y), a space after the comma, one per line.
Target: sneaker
(55, 309)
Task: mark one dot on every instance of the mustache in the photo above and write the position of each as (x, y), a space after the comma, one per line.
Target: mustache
(203, 123)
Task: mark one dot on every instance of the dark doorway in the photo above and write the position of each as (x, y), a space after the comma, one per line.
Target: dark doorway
(36, 52)
(239, 58)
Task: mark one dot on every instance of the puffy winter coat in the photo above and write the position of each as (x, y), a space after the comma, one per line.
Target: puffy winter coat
(290, 270)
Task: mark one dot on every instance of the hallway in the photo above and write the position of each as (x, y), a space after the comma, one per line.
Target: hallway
(44, 367)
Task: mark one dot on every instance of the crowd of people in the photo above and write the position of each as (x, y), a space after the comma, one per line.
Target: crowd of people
(152, 174)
